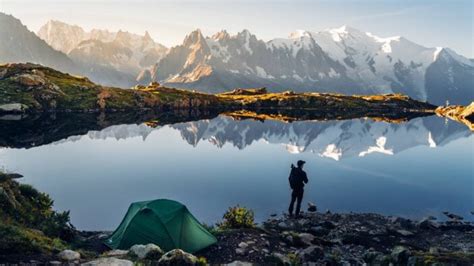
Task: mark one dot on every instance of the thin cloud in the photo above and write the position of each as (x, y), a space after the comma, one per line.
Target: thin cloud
(396, 13)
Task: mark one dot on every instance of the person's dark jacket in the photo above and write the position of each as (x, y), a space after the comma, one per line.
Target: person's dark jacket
(299, 178)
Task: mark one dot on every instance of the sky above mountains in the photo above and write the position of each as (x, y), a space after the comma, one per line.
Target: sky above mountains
(431, 23)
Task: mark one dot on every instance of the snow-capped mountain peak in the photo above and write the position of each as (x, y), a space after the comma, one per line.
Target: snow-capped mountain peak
(298, 34)
(122, 50)
(343, 59)
(221, 35)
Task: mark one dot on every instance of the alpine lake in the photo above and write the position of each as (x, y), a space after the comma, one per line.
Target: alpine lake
(96, 166)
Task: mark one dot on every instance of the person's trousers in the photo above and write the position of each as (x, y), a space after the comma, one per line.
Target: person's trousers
(296, 195)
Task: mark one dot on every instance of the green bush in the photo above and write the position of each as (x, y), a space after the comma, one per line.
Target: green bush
(202, 261)
(25, 206)
(238, 217)
(15, 240)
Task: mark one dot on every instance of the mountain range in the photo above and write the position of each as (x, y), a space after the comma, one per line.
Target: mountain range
(335, 140)
(343, 60)
(19, 45)
(123, 51)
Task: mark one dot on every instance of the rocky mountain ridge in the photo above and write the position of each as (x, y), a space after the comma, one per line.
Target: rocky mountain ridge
(123, 51)
(20, 45)
(344, 60)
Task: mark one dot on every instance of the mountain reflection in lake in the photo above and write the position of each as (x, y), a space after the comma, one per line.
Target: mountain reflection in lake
(414, 169)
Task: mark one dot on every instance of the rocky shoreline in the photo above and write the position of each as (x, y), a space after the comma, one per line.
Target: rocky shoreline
(461, 114)
(315, 238)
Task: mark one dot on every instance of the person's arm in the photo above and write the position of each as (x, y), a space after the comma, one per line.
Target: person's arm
(305, 178)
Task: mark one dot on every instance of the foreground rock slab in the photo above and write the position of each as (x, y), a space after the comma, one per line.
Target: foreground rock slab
(69, 255)
(178, 257)
(149, 251)
(347, 239)
(108, 262)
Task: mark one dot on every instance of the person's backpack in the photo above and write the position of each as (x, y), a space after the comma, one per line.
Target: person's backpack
(293, 178)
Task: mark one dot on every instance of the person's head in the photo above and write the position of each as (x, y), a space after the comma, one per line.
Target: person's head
(300, 163)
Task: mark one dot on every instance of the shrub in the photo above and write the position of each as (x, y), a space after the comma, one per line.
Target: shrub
(202, 261)
(238, 217)
(25, 206)
(16, 240)
(294, 259)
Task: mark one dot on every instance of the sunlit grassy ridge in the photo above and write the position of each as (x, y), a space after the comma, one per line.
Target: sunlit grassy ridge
(42, 88)
(37, 88)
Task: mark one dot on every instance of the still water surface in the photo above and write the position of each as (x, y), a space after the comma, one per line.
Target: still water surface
(413, 169)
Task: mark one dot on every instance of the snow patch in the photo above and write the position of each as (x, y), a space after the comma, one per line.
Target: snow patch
(379, 147)
(436, 53)
(332, 152)
(333, 74)
(294, 149)
(261, 72)
(431, 142)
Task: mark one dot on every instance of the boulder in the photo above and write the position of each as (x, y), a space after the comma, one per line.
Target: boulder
(11, 117)
(415, 260)
(428, 224)
(240, 251)
(69, 255)
(243, 245)
(328, 225)
(400, 255)
(453, 216)
(319, 230)
(312, 207)
(289, 93)
(239, 263)
(279, 259)
(255, 91)
(371, 256)
(154, 84)
(116, 253)
(4, 176)
(30, 80)
(149, 251)
(402, 222)
(283, 225)
(108, 261)
(177, 257)
(312, 253)
(13, 107)
(3, 73)
(306, 238)
(406, 233)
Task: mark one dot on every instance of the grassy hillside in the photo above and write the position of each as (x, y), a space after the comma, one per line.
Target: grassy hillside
(29, 87)
(28, 224)
(34, 87)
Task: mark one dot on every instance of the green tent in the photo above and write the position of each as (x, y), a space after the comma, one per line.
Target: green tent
(163, 222)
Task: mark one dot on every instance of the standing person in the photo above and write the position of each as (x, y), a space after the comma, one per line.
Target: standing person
(298, 179)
